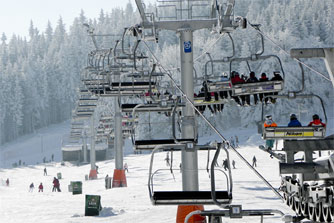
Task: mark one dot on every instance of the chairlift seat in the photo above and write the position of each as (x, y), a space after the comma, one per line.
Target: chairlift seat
(130, 57)
(257, 88)
(140, 85)
(84, 112)
(199, 101)
(87, 100)
(87, 106)
(108, 92)
(101, 82)
(188, 197)
(152, 143)
(283, 132)
(147, 108)
(82, 116)
(218, 86)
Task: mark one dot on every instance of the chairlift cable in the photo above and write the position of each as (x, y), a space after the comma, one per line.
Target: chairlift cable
(209, 47)
(211, 126)
(287, 53)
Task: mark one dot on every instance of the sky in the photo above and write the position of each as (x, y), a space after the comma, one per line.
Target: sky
(15, 15)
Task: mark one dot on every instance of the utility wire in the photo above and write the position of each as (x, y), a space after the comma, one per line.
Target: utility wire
(211, 126)
(287, 53)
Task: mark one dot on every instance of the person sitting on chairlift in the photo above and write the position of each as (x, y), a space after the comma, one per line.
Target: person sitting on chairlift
(316, 121)
(224, 94)
(252, 79)
(269, 123)
(294, 121)
(277, 77)
(235, 81)
(263, 79)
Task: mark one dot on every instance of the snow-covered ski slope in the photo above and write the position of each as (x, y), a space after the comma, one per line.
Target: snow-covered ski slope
(130, 204)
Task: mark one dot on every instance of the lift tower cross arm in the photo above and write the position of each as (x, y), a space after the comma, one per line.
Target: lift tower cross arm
(326, 53)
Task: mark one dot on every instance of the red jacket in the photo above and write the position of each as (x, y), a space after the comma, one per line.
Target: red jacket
(56, 182)
(237, 80)
(317, 122)
(40, 186)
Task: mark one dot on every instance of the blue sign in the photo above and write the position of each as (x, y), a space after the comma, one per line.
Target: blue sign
(187, 46)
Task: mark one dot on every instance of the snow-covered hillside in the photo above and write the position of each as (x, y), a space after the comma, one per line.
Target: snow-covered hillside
(130, 204)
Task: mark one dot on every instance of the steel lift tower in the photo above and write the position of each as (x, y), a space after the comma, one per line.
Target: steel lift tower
(184, 22)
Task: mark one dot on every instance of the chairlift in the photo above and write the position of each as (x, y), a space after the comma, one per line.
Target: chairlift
(258, 87)
(222, 197)
(154, 107)
(305, 132)
(150, 144)
(214, 82)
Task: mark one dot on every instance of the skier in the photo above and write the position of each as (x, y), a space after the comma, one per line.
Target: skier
(263, 79)
(224, 94)
(232, 141)
(106, 181)
(56, 185)
(45, 172)
(316, 121)
(225, 165)
(52, 157)
(252, 79)
(125, 167)
(31, 187)
(294, 121)
(167, 160)
(97, 168)
(233, 164)
(269, 123)
(236, 141)
(7, 182)
(254, 161)
(40, 187)
(235, 81)
(277, 77)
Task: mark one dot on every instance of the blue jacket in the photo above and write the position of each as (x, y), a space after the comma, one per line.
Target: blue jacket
(294, 123)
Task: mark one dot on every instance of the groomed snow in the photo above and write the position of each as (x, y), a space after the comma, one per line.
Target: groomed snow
(129, 204)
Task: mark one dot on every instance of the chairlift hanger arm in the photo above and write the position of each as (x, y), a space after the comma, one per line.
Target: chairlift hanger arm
(134, 54)
(256, 58)
(294, 96)
(141, 10)
(150, 85)
(212, 172)
(90, 31)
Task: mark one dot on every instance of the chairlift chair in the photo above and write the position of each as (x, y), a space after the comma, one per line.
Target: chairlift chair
(304, 132)
(150, 144)
(221, 197)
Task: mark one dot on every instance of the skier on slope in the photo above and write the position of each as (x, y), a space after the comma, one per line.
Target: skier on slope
(31, 187)
(56, 185)
(40, 187)
(254, 161)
